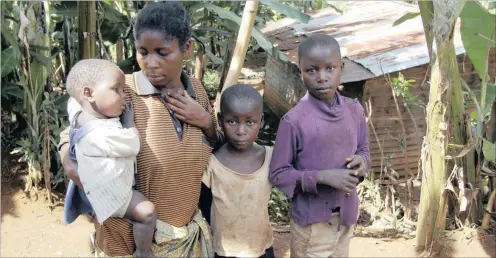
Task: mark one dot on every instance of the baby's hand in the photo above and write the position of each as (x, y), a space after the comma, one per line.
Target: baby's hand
(127, 117)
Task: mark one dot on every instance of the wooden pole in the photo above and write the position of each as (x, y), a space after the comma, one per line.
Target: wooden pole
(87, 29)
(199, 63)
(242, 43)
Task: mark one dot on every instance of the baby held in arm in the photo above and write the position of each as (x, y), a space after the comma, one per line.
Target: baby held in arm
(104, 141)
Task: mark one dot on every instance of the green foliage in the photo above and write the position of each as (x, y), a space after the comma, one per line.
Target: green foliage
(257, 34)
(29, 147)
(211, 81)
(478, 34)
(490, 96)
(287, 10)
(478, 31)
(27, 80)
(489, 150)
(214, 23)
(407, 16)
(113, 23)
(403, 88)
(9, 61)
(339, 6)
(279, 207)
(64, 8)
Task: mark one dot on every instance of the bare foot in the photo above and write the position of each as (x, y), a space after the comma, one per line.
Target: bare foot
(144, 253)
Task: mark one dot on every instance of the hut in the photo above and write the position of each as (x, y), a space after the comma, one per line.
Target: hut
(373, 50)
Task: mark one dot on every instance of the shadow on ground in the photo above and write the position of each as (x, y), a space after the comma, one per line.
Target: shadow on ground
(10, 183)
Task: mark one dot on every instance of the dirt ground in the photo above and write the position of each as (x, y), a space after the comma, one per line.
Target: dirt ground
(29, 228)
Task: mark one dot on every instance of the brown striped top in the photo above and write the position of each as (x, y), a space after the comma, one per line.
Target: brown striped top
(169, 169)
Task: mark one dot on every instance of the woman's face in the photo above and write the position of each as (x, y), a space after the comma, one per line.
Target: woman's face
(159, 58)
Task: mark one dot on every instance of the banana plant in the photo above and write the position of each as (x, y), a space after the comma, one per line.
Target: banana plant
(27, 62)
(478, 26)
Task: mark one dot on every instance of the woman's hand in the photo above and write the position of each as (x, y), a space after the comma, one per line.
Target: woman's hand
(70, 166)
(127, 117)
(189, 111)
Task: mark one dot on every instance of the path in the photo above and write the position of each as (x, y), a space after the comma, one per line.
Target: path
(30, 229)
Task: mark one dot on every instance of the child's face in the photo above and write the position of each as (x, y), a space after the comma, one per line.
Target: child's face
(107, 97)
(321, 72)
(241, 123)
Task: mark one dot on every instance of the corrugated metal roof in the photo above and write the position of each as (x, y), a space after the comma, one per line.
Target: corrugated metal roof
(365, 34)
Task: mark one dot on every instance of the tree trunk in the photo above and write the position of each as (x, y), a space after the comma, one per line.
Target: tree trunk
(227, 61)
(119, 50)
(87, 29)
(199, 65)
(242, 43)
(426, 12)
(445, 124)
(491, 128)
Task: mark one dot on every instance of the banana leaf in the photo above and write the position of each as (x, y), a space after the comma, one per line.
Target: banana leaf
(12, 89)
(256, 33)
(407, 16)
(10, 38)
(9, 61)
(478, 30)
(65, 8)
(287, 10)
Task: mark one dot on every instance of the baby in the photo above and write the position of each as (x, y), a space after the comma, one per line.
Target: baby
(106, 150)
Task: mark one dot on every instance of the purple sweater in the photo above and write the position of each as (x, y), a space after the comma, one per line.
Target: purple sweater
(311, 137)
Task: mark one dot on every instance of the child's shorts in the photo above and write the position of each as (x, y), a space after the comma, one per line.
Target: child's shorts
(321, 239)
(122, 210)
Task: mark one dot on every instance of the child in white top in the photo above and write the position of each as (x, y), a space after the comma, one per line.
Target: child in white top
(238, 175)
(106, 150)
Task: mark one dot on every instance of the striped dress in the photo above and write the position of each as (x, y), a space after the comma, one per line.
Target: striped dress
(169, 170)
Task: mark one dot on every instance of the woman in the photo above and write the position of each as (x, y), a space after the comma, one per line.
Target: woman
(177, 131)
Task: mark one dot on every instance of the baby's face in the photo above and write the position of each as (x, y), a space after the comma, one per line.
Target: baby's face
(108, 95)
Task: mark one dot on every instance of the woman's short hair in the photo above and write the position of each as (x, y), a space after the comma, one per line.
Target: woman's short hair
(169, 18)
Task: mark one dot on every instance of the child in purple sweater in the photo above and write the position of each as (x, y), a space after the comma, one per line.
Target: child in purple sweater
(320, 153)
